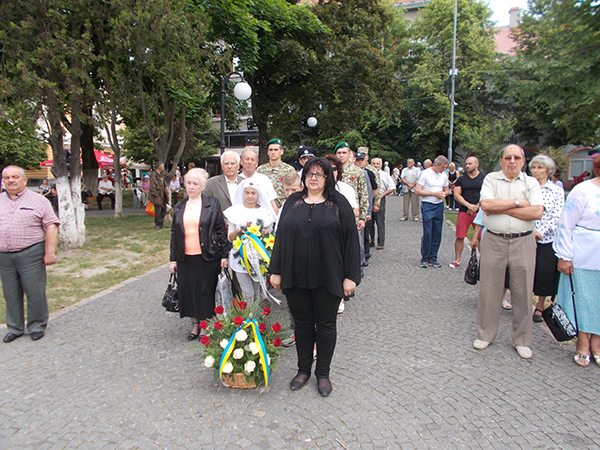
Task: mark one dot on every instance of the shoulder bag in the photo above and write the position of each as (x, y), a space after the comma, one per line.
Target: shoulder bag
(170, 300)
(472, 272)
(558, 322)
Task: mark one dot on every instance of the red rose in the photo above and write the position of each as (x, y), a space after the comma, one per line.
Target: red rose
(276, 342)
(242, 305)
(205, 340)
(262, 327)
(203, 325)
(238, 320)
(248, 224)
(219, 310)
(276, 327)
(281, 179)
(218, 325)
(266, 310)
(352, 178)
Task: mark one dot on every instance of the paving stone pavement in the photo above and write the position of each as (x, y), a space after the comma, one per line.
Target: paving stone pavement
(116, 372)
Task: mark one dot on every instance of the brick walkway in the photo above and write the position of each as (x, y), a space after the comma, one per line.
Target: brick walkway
(116, 372)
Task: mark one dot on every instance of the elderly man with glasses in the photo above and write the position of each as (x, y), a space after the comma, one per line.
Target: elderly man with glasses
(512, 202)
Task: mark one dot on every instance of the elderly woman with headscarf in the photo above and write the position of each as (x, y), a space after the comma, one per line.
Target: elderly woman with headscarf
(254, 211)
(546, 272)
(577, 245)
(199, 250)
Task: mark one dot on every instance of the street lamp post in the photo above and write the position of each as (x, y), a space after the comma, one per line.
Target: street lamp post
(453, 73)
(311, 122)
(242, 91)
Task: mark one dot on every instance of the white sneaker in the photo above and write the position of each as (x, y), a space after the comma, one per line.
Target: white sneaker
(524, 352)
(342, 307)
(453, 265)
(480, 345)
(403, 218)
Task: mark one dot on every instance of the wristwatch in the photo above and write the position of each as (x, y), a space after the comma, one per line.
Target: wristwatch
(517, 203)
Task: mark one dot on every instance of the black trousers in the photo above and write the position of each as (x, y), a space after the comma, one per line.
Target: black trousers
(315, 315)
(100, 197)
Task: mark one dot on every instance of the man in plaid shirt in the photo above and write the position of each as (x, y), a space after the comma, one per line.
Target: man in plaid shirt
(28, 238)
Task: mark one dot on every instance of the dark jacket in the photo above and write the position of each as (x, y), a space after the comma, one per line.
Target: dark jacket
(157, 190)
(212, 229)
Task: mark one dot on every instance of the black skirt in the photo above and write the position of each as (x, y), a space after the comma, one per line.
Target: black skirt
(196, 284)
(546, 271)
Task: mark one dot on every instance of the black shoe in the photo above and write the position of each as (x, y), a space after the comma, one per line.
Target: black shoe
(37, 335)
(157, 227)
(299, 381)
(365, 264)
(537, 318)
(324, 387)
(192, 336)
(165, 227)
(9, 337)
(371, 244)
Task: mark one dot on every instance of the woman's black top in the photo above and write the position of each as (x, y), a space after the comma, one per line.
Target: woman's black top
(316, 245)
(212, 230)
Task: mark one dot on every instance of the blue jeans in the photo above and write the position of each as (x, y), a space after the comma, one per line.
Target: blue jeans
(433, 220)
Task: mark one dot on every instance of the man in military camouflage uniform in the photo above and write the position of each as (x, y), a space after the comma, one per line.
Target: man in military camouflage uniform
(355, 177)
(276, 169)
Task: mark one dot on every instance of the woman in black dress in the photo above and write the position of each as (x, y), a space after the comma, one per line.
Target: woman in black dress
(315, 262)
(199, 250)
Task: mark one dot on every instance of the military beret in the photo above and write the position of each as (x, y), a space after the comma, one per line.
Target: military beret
(275, 141)
(341, 145)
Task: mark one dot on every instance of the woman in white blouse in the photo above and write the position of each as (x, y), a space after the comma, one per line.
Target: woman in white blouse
(577, 245)
(546, 273)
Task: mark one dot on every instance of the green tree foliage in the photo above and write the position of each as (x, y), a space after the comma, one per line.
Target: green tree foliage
(20, 142)
(427, 79)
(555, 82)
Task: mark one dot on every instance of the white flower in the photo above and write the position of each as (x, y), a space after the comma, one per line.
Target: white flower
(238, 353)
(253, 348)
(250, 366)
(224, 343)
(228, 368)
(209, 361)
(241, 336)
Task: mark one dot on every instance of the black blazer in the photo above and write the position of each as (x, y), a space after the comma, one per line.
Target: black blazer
(212, 230)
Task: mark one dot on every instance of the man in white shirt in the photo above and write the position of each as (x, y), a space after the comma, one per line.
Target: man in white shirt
(223, 187)
(410, 176)
(249, 166)
(386, 188)
(105, 189)
(512, 202)
(433, 188)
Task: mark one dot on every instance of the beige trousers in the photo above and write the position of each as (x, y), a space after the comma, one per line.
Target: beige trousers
(498, 253)
(412, 199)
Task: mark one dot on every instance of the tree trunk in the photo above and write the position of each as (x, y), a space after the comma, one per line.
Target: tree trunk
(90, 165)
(69, 234)
(114, 144)
(75, 172)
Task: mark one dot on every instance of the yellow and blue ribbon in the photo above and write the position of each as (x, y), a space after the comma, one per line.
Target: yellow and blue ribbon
(258, 245)
(262, 351)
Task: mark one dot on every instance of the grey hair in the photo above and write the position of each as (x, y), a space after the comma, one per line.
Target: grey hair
(200, 174)
(249, 150)
(440, 160)
(158, 164)
(229, 152)
(12, 166)
(545, 161)
(509, 146)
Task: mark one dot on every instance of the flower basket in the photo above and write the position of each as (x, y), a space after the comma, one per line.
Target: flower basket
(238, 381)
(242, 345)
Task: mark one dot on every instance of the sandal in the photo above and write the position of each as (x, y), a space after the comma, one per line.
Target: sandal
(582, 360)
(537, 318)
(596, 358)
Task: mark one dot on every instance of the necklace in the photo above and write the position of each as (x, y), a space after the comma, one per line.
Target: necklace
(193, 205)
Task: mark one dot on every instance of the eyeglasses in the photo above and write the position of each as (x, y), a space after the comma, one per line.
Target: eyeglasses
(515, 157)
(316, 175)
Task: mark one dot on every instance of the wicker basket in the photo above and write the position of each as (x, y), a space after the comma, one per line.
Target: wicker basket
(237, 381)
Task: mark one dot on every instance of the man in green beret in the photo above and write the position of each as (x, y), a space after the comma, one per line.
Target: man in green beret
(355, 177)
(275, 169)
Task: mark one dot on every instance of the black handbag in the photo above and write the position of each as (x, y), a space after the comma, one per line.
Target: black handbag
(558, 322)
(170, 300)
(472, 272)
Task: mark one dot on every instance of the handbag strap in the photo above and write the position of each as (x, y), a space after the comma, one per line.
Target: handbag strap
(173, 279)
(573, 299)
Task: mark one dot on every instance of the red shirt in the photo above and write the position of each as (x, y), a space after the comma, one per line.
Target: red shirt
(23, 220)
